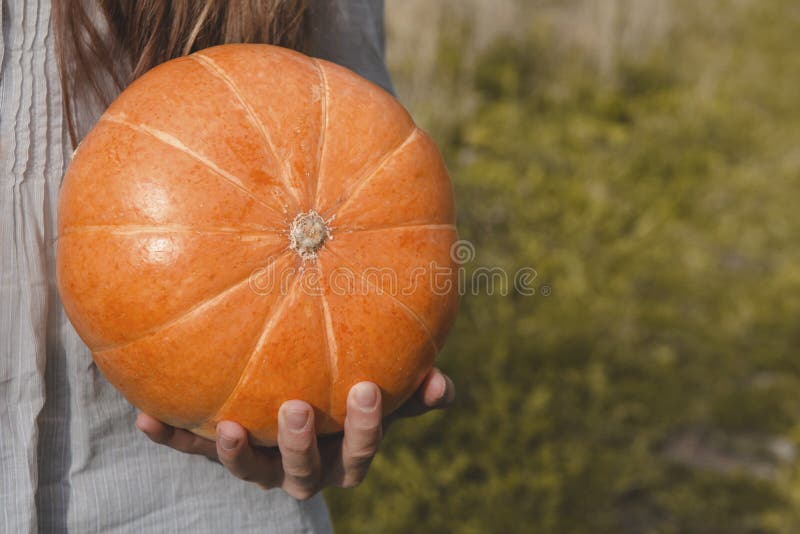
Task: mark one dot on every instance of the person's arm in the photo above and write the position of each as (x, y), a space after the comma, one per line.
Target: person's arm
(352, 35)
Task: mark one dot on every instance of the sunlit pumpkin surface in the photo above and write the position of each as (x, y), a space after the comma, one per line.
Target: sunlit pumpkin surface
(247, 225)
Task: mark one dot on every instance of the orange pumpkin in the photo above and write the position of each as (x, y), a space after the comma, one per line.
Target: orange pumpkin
(247, 225)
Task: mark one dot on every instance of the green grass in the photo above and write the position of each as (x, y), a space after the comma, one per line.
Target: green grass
(657, 389)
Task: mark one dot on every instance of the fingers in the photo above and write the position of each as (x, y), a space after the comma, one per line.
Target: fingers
(153, 428)
(436, 391)
(242, 460)
(176, 438)
(362, 432)
(297, 467)
(297, 441)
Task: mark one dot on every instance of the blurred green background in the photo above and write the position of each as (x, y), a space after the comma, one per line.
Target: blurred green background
(643, 156)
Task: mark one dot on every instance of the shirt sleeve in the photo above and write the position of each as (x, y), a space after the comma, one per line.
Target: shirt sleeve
(351, 33)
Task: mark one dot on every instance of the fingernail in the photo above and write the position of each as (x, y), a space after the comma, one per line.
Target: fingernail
(438, 386)
(366, 396)
(228, 443)
(296, 419)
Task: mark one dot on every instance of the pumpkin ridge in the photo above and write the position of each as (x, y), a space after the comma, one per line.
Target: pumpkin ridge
(185, 315)
(423, 226)
(325, 103)
(213, 67)
(413, 314)
(175, 143)
(364, 179)
(332, 350)
(269, 325)
(132, 229)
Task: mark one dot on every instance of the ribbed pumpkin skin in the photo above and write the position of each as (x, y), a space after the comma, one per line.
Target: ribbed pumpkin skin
(174, 216)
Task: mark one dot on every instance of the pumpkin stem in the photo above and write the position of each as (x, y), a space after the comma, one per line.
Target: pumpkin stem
(307, 233)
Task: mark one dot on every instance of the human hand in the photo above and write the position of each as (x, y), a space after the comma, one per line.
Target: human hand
(303, 464)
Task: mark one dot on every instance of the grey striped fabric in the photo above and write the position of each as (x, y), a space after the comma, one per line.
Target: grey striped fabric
(70, 456)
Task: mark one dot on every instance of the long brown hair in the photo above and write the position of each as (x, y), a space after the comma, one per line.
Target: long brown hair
(103, 45)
